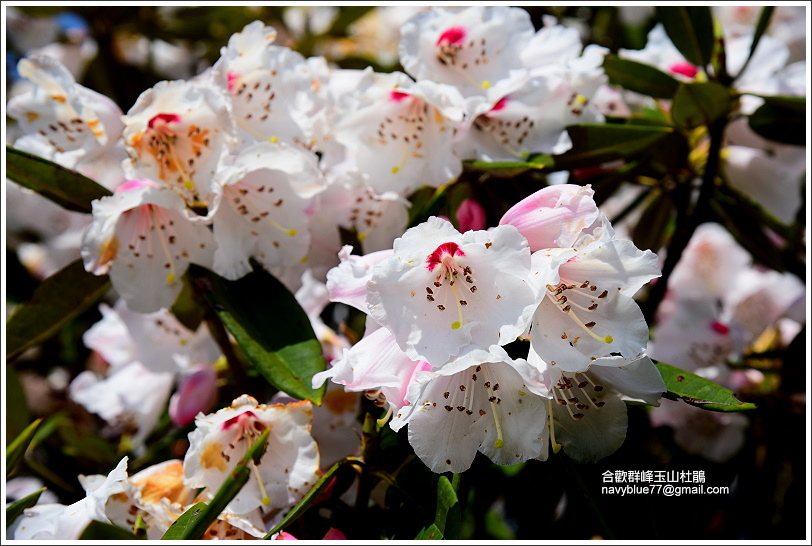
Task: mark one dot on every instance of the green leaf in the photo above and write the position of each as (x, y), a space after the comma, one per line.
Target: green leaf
(748, 233)
(16, 449)
(761, 27)
(447, 515)
(698, 391)
(639, 77)
(698, 104)
(270, 327)
(596, 144)
(98, 530)
(188, 308)
(15, 509)
(63, 186)
(194, 522)
(435, 200)
(690, 28)
(17, 414)
(650, 231)
(311, 496)
(534, 161)
(61, 297)
(432, 532)
(781, 119)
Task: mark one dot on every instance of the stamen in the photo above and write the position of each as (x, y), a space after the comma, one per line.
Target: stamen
(383, 420)
(556, 445)
(500, 440)
(266, 500)
(605, 339)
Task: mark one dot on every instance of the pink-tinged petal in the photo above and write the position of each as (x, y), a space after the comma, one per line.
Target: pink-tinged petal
(197, 394)
(471, 216)
(334, 534)
(554, 216)
(284, 535)
(347, 283)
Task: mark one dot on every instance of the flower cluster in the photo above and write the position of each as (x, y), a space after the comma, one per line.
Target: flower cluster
(443, 304)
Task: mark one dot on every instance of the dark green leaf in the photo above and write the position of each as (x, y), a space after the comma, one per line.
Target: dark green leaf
(432, 207)
(749, 234)
(781, 119)
(535, 161)
(270, 327)
(16, 449)
(17, 414)
(761, 27)
(15, 509)
(63, 186)
(186, 523)
(61, 297)
(698, 391)
(650, 232)
(596, 144)
(188, 308)
(639, 77)
(347, 15)
(194, 522)
(690, 28)
(311, 496)
(430, 533)
(98, 530)
(447, 515)
(698, 104)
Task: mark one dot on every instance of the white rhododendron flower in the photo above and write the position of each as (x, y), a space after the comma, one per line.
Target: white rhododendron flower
(400, 134)
(157, 340)
(587, 410)
(266, 207)
(442, 292)
(270, 88)
(471, 48)
(179, 134)
(59, 522)
(130, 399)
(587, 315)
(485, 402)
(288, 469)
(62, 120)
(141, 234)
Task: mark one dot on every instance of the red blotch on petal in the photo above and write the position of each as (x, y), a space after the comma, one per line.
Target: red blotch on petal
(398, 96)
(453, 35)
(162, 119)
(501, 103)
(720, 328)
(436, 257)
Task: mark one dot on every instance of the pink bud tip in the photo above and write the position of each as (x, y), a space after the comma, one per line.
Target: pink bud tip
(453, 35)
(683, 68)
(197, 393)
(471, 216)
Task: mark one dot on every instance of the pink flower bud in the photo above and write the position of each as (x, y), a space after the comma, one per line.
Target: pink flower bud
(554, 216)
(471, 216)
(197, 393)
